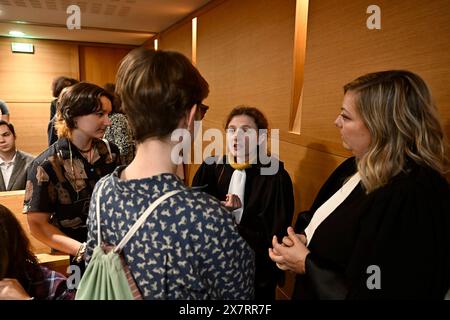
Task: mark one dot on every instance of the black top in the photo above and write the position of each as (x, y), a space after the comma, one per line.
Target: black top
(402, 228)
(62, 185)
(3, 108)
(268, 207)
(53, 108)
(52, 135)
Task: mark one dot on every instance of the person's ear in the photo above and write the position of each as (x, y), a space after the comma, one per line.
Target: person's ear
(191, 116)
(262, 137)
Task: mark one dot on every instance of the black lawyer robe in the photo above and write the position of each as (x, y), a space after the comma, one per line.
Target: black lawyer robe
(268, 209)
(403, 228)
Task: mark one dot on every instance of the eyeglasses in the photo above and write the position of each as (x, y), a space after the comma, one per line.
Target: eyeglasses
(202, 109)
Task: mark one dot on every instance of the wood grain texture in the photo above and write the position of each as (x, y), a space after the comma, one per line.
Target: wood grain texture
(245, 52)
(30, 123)
(28, 77)
(414, 35)
(13, 200)
(99, 65)
(178, 39)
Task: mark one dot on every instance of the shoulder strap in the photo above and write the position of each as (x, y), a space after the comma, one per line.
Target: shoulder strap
(97, 212)
(142, 219)
(136, 225)
(107, 145)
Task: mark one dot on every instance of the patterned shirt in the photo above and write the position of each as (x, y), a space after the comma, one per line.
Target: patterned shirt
(60, 181)
(119, 133)
(188, 248)
(46, 284)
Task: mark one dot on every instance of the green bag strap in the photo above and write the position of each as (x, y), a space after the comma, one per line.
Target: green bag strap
(137, 224)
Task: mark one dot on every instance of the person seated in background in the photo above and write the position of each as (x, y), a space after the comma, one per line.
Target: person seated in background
(58, 85)
(13, 163)
(62, 178)
(119, 131)
(21, 276)
(188, 247)
(4, 111)
(379, 227)
(262, 205)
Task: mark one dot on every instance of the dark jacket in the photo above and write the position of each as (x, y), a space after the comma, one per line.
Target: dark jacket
(402, 229)
(19, 175)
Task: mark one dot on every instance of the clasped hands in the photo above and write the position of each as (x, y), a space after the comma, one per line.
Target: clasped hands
(291, 253)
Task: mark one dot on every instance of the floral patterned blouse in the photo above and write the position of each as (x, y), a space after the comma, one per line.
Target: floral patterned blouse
(60, 181)
(119, 133)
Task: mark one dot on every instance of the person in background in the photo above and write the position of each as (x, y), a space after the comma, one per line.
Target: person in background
(262, 205)
(4, 111)
(21, 276)
(119, 131)
(379, 227)
(13, 163)
(62, 178)
(58, 85)
(188, 247)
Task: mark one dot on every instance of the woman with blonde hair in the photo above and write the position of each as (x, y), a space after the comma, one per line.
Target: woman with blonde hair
(379, 227)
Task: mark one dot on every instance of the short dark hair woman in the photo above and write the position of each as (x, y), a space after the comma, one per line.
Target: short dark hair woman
(62, 178)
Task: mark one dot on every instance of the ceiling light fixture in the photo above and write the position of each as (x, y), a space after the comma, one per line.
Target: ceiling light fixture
(22, 47)
(16, 33)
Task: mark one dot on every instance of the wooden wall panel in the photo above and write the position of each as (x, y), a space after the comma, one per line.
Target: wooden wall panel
(30, 122)
(13, 200)
(245, 52)
(28, 77)
(178, 39)
(414, 35)
(26, 86)
(99, 64)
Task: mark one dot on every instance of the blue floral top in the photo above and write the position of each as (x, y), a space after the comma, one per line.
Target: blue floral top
(188, 248)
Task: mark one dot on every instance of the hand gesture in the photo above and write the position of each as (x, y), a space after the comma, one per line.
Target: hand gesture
(232, 202)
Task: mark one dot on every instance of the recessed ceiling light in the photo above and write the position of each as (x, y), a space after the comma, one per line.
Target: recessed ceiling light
(16, 33)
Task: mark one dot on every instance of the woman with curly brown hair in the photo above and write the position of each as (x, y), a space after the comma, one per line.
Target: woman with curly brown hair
(261, 205)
